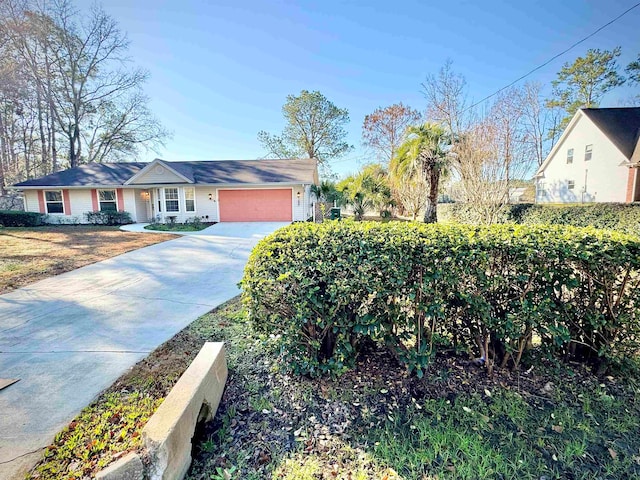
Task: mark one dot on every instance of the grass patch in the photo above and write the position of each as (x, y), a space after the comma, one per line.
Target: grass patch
(555, 421)
(31, 254)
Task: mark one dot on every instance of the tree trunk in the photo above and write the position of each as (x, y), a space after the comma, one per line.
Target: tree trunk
(52, 119)
(431, 208)
(3, 153)
(44, 149)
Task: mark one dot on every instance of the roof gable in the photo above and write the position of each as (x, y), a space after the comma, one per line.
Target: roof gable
(620, 125)
(567, 131)
(161, 172)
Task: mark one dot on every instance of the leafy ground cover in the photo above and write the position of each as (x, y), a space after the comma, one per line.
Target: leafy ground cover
(31, 254)
(544, 421)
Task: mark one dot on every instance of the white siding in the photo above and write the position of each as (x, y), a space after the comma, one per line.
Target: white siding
(301, 208)
(80, 203)
(140, 211)
(207, 210)
(205, 207)
(31, 201)
(600, 179)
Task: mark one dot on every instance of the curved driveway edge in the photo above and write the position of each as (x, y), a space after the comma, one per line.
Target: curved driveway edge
(69, 337)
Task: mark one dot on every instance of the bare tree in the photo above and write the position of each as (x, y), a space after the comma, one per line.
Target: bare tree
(482, 171)
(507, 115)
(100, 99)
(446, 96)
(411, 193)
(384, 129)
(79, 98)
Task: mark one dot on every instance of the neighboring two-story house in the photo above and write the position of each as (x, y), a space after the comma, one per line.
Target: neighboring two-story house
(595, 160)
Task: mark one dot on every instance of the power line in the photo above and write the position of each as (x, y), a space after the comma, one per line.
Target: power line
(554, 57)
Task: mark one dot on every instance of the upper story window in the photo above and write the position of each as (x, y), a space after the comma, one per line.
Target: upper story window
(53, 201)
(171, 200)
(570, 155)
(107, 199)
(189, 199)
(571, 184)
(587, 152)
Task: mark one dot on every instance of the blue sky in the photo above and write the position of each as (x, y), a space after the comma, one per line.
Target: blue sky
(220, 71)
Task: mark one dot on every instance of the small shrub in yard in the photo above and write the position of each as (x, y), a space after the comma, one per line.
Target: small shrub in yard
(18, 218)
(109, 218)
(323, 289)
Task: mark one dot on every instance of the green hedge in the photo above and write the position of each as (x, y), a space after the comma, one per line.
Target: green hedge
(323, 289)
(624, 217)
(109, 218)
(18, 218)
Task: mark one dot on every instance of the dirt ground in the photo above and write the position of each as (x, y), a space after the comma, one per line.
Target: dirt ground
(31, 254)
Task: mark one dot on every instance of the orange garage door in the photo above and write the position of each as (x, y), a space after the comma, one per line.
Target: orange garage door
(273, 205)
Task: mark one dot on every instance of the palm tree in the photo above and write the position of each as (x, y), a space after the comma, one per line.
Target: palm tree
(366, 190)
(424, 154)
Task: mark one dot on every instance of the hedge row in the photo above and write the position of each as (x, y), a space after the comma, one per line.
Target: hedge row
(109, 218)
(624, 217)
(492, 291)
(18, 218)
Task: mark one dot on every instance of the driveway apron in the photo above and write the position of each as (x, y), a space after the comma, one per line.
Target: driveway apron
(69, 337)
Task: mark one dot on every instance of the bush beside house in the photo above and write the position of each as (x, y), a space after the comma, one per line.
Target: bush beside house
(324, 289)
(19, 218)
(109, 218)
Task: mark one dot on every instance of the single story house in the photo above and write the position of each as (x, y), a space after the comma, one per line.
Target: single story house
(214, 191)
(595, 160)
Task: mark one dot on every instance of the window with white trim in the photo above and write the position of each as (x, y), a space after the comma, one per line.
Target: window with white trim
(107, 200)
(189, 199)
(53, 201)
(171, 200)
(588, 151)
(540, 190)
(571, 184)
(570, 156)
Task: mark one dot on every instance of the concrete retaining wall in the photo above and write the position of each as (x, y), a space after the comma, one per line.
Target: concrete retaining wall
(168, 433)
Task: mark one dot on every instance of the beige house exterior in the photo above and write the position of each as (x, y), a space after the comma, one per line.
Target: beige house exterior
(213, 191)
(595, 160)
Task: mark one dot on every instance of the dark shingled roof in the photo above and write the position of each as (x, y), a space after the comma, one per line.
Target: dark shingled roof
(90, 174)
(620, 125)
(247, 171)
(199, 172)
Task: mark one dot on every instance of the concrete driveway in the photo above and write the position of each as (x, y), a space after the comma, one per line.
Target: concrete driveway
(69, 337)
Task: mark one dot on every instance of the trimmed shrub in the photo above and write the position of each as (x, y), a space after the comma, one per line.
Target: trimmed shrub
(322, 289)
(109, 218)
(624, 217)
(19, 218)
